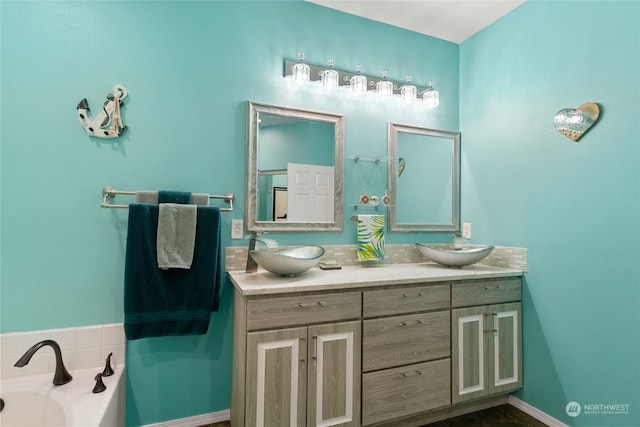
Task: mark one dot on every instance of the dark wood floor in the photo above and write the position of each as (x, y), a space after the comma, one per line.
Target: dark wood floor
(499, 416)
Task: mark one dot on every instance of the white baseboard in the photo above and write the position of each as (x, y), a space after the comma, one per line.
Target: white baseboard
(535, 412)
(196, 421)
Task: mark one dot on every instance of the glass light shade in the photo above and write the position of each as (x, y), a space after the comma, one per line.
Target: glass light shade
(431, 97)
(358, 82)
(408, 92)
(301, 71)
(330, 77)
(384, 88)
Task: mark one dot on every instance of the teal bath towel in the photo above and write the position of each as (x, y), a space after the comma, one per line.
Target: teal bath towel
(169, 302)
(174, 197)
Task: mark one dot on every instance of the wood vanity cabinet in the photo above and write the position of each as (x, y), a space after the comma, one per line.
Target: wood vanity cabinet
(486, 339)
(401, 354)
(297, 372)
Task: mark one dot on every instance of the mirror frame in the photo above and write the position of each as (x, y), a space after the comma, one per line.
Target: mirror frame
(251, 221)
(394, 226)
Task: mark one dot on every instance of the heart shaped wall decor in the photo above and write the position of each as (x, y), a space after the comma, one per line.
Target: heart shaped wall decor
(573, 123)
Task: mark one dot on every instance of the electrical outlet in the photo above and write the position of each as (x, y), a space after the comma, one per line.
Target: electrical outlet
(466, 230)
(236, 228)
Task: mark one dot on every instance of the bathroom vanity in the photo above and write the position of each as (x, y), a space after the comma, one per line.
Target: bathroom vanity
(396, 344)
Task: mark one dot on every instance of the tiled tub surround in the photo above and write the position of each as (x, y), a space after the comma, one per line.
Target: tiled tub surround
(502, 256)
(82, 348)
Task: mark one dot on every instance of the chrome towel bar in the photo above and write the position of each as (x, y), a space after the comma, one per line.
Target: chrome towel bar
(109, 193)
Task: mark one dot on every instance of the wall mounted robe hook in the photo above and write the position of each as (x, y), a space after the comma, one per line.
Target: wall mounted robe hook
(108, 123)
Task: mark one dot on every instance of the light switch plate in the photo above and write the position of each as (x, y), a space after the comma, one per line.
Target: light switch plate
(466, 230)
(236, 228)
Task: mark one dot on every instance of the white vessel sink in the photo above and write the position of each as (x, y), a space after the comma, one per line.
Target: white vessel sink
(446, 254)
(289, 262)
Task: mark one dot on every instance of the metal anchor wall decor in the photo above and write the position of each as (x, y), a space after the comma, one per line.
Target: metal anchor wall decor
(108, 123)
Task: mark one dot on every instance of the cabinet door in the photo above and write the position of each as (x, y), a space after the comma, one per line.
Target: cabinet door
(486, 351)
(469, 344)
(507, 343)
(333, 397)
(276, 378)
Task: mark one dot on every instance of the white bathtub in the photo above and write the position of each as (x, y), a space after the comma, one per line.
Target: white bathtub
(35, 401)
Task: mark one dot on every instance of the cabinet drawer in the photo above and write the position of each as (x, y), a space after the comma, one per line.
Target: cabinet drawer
(302, 310)
(400, 392)
(401, 340)
(404, 300)
(483, 292)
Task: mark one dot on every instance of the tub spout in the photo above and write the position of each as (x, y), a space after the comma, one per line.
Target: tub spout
(61, 376)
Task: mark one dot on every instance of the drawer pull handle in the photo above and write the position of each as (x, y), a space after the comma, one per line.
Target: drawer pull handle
(320, 303)
(486, 288)
(404, 323)
(490, 330)
(411, 374)
(418, 294)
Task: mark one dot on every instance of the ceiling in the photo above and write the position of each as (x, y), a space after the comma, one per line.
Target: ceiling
(452, 20)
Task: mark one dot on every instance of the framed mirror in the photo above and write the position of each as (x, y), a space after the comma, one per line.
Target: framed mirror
(424, 179)
(295, 165)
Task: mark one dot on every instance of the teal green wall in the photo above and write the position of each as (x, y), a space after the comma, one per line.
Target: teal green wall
(575, 205)
(189, 68)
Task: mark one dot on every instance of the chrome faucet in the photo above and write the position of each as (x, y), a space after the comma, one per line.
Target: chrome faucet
(62, 376)
(252, 265)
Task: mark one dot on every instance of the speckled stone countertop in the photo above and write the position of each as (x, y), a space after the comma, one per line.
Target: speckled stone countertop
(354, 277)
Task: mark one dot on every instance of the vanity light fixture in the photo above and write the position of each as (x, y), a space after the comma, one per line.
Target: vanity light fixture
(358, 82)
(380, 87)
(330, 77)
(431, 97)
(384, 88)
(301, 71)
